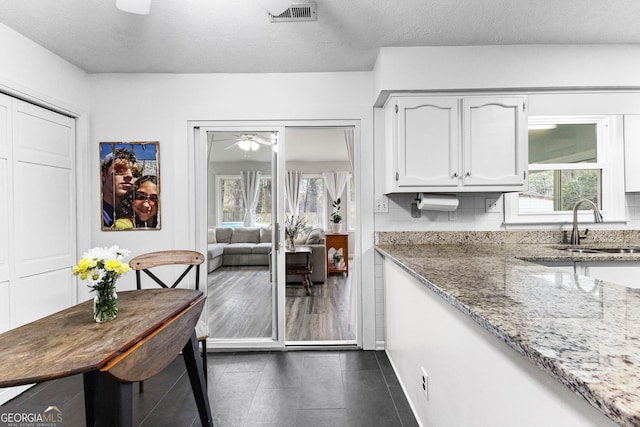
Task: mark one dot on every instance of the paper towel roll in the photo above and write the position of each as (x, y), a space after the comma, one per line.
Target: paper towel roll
(437, 202)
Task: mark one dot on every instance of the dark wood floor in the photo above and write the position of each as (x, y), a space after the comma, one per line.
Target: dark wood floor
(240, 306)
(279, 389)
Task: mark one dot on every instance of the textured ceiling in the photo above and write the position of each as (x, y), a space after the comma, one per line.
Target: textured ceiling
(205, 36)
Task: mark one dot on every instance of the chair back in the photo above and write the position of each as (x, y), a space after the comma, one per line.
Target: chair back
(145, 262)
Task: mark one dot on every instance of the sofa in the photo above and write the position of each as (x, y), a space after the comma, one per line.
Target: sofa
(251, 246)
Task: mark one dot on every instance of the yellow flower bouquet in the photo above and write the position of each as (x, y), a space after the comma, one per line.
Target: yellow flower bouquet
(100, 268)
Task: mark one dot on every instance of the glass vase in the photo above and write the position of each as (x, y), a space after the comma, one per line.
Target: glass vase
(105, 303)
(291, 244)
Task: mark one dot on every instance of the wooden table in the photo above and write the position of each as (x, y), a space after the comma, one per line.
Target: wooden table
(337, 241)
(298, 262)
(152, 326)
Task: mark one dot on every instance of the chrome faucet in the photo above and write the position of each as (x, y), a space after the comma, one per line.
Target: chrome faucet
(597, 216)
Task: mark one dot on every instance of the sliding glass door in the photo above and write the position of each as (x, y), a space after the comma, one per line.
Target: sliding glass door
(242, 235)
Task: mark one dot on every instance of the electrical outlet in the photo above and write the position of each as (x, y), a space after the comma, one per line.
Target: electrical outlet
(491, 205)
(425, 382)
(382, 204)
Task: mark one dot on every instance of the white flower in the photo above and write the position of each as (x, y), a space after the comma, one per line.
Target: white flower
(95, 277)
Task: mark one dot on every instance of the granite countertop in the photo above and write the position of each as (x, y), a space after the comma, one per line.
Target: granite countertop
(582, 331)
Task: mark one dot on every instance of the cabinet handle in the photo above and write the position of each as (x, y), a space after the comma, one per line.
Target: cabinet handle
(524, 174)
(468, 174)
(397, 176)
(455, 175)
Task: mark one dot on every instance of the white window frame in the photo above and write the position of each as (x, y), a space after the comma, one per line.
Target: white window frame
(218, 194)
(610, 155)
(305, 175)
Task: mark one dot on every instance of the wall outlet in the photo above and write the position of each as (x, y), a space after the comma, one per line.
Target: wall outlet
(382, 204)
(424, 382)
(491, 205)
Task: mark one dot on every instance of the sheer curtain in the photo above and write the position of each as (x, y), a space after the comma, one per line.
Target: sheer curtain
(292, 188)
(349, 140)
(250, 183)
(335, 183)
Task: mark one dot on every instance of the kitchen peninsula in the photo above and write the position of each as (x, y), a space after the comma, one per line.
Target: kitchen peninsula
(454, 299)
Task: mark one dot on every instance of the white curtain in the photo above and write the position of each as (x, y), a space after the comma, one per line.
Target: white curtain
(348, 139)
(292, 188)
(250, 183)
(335, 183)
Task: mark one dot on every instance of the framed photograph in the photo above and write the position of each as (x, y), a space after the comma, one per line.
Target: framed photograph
(130, 185)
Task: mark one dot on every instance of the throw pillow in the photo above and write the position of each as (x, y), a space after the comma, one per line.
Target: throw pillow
(265, 235)
(211, 236)
(245, 235)
(314, 236)
(223, 234)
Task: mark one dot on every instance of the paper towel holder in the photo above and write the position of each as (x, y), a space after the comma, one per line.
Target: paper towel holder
(433, 202)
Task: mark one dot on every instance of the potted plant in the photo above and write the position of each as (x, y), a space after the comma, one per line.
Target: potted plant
(293, 226)
(337, 259)
(336, 218)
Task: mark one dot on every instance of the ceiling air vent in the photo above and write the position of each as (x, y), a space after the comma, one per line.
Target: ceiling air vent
(297, 12)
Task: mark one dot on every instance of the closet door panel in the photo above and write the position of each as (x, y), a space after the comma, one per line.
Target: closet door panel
(43, 294)
(44, 218)
(5, 321)
(44, 212)
(4, 220)
(43, 136)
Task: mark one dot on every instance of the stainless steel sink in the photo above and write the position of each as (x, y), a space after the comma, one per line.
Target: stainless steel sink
(580, 250)
(600, 250)
(619, 250)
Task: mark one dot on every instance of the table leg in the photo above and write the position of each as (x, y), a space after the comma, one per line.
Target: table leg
(196, 376)
(107, 401)
(307, 284)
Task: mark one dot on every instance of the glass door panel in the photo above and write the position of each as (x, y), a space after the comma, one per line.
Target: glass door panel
(241, 280)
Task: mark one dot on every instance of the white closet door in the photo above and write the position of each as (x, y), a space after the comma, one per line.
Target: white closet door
(5, 191)
(44, 206)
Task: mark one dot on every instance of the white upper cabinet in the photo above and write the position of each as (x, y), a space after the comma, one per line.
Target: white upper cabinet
(455, 144)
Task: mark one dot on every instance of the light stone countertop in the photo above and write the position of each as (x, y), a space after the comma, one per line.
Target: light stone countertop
(582, 331)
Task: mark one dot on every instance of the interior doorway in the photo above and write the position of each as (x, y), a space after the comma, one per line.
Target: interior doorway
(252, 302)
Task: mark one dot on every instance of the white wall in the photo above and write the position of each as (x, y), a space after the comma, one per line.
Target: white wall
(30, 70)
(158, 106)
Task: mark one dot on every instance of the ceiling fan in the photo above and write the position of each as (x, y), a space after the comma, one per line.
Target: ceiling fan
(248, 142)
(143, 7)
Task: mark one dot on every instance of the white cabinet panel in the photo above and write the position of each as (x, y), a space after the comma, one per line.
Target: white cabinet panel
(494, 152)
(43, 294)
(631, 153)
(427, 141)
(455, 144)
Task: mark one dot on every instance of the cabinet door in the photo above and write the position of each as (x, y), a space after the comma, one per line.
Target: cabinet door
(427, 142)
(495, 142)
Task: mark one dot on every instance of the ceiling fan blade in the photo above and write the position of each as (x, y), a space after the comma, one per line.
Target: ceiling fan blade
(231, 146)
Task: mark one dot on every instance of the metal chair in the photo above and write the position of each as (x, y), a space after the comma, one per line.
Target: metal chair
(189, 259)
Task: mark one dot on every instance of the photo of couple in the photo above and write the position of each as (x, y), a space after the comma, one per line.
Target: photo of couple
(130, 185)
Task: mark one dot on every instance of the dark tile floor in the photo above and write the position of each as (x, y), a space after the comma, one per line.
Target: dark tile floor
(293, 388)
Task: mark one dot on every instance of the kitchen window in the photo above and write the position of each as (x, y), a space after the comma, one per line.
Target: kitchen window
(571, 158)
